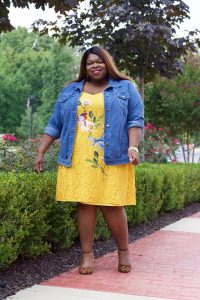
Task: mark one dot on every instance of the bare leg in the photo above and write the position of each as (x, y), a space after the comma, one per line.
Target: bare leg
(86, 220)
(115, 217)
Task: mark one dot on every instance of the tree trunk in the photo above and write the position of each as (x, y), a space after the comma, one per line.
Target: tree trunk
(193, 150)
(188, 148)
(141, 87)
(183, 151)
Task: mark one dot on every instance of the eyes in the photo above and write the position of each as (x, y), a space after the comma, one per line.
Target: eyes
(98, 62)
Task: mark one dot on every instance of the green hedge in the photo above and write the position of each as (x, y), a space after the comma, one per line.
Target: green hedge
(31, 221)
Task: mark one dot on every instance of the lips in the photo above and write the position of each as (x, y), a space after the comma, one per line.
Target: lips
(96, 72)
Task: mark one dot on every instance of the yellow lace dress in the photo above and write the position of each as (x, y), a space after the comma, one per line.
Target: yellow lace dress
(89, 180)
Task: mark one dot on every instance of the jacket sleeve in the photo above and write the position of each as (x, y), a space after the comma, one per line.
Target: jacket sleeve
(135, 108)
(54, 126)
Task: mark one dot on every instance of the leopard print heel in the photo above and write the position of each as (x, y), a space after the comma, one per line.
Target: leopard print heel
(123, 268)
(86, 266)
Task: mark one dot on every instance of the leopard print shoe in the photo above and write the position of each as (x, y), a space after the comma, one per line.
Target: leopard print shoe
(87, 263)
(123, 268)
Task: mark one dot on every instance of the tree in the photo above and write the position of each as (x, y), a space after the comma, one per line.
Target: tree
(59, 6)
(141, 35)
(30, 66)
(61, 68)
(175, 104)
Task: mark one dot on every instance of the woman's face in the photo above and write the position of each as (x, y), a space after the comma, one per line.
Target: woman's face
(96, 68)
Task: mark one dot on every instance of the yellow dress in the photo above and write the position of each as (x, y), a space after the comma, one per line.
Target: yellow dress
(89, 180)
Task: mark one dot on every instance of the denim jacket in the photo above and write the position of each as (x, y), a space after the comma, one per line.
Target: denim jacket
(123, 109)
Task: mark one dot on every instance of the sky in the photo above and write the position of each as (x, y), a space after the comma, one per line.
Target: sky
(25, 17)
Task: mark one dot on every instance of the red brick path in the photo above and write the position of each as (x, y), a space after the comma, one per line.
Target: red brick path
(165, 264)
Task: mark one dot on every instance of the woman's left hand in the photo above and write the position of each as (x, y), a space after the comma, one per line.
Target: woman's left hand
(134, 157)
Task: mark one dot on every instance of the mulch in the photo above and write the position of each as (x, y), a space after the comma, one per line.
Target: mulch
(24, 273)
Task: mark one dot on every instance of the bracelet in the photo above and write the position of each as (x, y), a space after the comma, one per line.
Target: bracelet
(133, 148)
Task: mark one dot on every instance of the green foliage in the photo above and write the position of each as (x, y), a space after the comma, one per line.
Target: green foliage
(191, 185)
(173, 185)
(141, 35)
(159, 147)
(19, 156)
(149, 202)
(162, 188)
(31, 65)
(59, 69)
(59, 6)
(32, 222)
(28, 216)
(172, 103)
(63, 229)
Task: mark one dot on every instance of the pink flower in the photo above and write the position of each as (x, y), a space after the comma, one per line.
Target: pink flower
(149, 126)
(176, 141)
(5, 136)
(9, 138)
(12, 138)
(160, 129)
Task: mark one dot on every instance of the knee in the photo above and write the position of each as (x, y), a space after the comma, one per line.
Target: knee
(86, 207)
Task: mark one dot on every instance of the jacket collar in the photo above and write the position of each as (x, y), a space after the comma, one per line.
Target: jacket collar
(78, 85)
(112, 83)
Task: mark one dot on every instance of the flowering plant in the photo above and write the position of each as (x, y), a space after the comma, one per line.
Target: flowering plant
(159, 146)
(8, 137)
(20, 158)
(5, 140)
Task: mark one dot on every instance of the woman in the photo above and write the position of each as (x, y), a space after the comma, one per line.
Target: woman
(98, 119)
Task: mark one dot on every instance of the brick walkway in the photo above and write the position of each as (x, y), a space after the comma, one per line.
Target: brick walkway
(165, 265)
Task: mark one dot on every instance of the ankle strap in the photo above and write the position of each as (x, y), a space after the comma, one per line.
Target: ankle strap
(123, 249)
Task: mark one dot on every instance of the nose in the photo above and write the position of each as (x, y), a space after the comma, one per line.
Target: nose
(95, 64)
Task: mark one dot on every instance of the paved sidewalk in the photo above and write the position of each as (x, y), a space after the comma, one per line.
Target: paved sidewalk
(165, 265)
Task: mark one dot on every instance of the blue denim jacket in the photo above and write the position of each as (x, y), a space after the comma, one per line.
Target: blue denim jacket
(123, 109)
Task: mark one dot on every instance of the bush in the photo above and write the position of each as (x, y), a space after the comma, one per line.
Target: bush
(149, 202)
(32, 222)
(20, 156)
(158, 145)
(192, 183)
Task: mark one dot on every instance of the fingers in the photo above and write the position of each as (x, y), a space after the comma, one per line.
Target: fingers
(37, 168)
(38, 165)
(134, 158)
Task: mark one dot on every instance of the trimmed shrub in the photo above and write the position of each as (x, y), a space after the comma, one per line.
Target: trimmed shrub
(148, 190)
(32, 222)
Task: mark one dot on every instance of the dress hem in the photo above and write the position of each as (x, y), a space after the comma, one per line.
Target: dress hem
(99, 204)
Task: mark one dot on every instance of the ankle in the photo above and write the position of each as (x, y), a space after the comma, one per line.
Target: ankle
(123, 255)
(123, 250)
(86, 252)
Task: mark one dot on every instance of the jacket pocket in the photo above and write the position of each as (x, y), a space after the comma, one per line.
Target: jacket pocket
(122, 99)
(63, 98)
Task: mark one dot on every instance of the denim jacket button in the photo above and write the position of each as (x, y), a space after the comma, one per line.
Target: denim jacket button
(107, 144)
(107, 125)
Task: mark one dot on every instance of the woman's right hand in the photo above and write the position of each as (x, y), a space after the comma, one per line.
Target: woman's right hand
(45, 143)
(38, 163)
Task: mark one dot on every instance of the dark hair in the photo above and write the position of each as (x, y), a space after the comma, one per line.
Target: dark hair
(106, 57)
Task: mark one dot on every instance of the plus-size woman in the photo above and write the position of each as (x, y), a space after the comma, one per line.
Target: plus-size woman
(98, 119)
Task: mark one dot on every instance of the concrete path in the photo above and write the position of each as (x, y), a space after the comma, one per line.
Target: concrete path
(165, 265)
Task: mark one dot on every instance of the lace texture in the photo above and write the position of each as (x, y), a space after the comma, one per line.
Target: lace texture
(89, 180)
